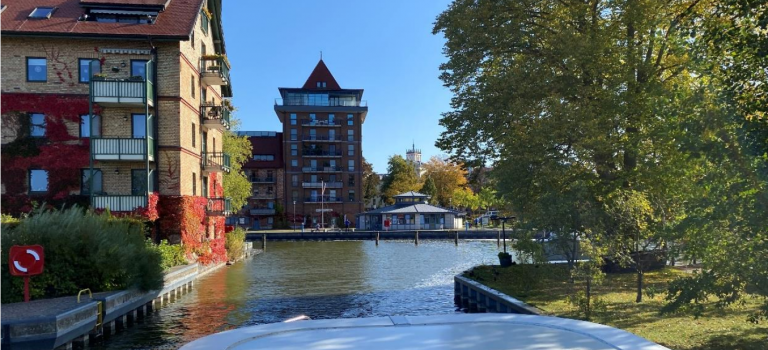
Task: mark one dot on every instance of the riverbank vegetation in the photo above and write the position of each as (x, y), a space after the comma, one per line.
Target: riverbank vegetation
(235, 243)
(548, 288)
(82, 250)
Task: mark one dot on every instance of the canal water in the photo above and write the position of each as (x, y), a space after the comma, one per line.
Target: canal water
(317, 279)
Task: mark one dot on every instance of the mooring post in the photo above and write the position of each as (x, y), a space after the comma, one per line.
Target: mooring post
(456, 238)
(498, 238)
(264, 242)
(377, 237)
(417, 238)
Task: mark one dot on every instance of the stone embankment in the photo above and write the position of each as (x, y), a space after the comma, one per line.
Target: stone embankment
(476, 297)
(74, 321)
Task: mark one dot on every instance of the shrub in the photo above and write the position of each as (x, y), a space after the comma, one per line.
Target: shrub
(82, 250)
(235, 243)
(170, 254)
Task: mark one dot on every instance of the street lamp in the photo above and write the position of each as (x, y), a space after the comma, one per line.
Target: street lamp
(503, 231)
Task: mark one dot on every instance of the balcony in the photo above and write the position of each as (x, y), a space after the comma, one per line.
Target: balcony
(262, 211)
(322, 138)
(315, 122)
(320, 153)
(323, 169)
(323, 199)
(257, 195)
(215, 116)
(262, 180)
(320, 102)
(111, 92)
(337, 184)
(218, 206)
(214, 70)
(215, 162)
(119, 203)
(123, 149)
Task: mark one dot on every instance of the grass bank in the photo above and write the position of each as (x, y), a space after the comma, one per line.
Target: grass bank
(547, 288)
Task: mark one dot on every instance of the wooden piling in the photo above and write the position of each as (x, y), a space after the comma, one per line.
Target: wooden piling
(263, 242)
(498, 238)
(377, 237)
(417, 238)
(456, 238)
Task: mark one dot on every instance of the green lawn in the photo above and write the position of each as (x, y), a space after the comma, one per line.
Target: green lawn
(717, 329)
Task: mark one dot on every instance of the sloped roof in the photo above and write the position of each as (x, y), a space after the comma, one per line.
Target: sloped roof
(176, 21)
(412, 194)
(416, 208)
(321, 73)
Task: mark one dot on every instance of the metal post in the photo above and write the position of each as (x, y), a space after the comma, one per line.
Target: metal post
(26, 289)
(498, 238)
(90, 127)
(293, 220)
(505, 234)
(322, 205)
(377, 237)
(456, 238)
(417, 238)
(263, 242)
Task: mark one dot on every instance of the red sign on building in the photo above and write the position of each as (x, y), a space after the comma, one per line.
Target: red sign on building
(26, 260)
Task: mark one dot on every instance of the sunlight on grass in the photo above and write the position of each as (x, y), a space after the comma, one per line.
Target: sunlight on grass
(547, 287)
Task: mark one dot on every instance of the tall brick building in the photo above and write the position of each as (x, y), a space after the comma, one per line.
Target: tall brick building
(266, 171)
(322, 148)
(154, 76)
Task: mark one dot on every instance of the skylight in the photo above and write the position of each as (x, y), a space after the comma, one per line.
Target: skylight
(42, 12)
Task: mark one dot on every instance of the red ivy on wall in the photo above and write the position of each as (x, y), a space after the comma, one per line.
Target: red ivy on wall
(185, 216)
(61, 154)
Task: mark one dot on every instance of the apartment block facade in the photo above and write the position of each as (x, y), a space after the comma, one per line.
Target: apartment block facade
(322, 149)
(266, 171)
(114, 104)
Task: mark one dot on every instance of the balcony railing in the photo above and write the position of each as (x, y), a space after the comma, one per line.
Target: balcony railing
(262, 180)
(262, 211)
(214, 70)
(323, 199)
(320, 102)
(323, 169)
(215, 162)
(315, 122)
(215, 116)
(336, 184)
(118, 203)
(320, 153)
(263, 196)
(123, 149)
(218, 206)
(121, 92)
(328, 138)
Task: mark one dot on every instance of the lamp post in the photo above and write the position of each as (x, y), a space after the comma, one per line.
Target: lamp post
(503, 230)
(294, 216)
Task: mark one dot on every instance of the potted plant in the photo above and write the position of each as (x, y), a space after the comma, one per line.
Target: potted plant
(505, 259)
(99, 76)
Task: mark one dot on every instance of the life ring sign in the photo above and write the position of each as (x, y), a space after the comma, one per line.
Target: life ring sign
(26, 260)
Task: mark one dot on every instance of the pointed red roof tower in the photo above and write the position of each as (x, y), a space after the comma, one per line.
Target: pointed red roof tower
(321, 78)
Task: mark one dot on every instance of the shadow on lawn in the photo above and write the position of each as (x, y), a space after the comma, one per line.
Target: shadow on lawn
(752, 339)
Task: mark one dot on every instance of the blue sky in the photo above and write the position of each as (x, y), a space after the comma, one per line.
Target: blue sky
(384, 47)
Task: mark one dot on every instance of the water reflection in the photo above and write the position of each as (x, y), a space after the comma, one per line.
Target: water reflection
(318, 279)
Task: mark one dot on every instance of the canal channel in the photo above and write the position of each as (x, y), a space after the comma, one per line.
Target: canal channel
(317, 279)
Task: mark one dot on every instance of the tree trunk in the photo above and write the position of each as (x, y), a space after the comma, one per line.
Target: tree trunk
(639, 298)
(588, 310)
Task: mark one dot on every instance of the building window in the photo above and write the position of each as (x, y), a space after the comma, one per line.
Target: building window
(85, 182)
(192, 39)
(194, 134)
(140, 182)
(350, 150)
(270, 175)
(293, 118)
(350, 119)
(38, 181)
(324, 84)
(312, 117)
(37, 69)
(294, 149)
(351, 165)
(294, 163)
(351, 180)
(139, 68)
(42, 12)
(318, 84)
(37, 125)
(138, 126)
(204, 189)
(295, 195)
(263, 157)
(193, 85)
(85, 126)
(270, 189)
(194, 184)
(294, 136)
(331, 118)
(85, 65)
(351, 195)
(294, 180)
(270, 220)
(204, 22)
(350, 135)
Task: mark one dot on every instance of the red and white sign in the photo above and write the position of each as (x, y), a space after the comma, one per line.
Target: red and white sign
(26, 260)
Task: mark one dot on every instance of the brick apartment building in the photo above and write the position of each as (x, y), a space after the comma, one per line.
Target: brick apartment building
(322, 147)
(154, 76)
(266, 171)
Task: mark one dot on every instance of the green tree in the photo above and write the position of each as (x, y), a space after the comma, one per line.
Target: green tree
(448, 176)
(573, 100)
(429, 187)
(400, 178)
(371, 182)
(236, 183)
(465, 198)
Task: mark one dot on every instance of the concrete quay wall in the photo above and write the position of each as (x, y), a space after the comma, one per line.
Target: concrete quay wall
(477, 297)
